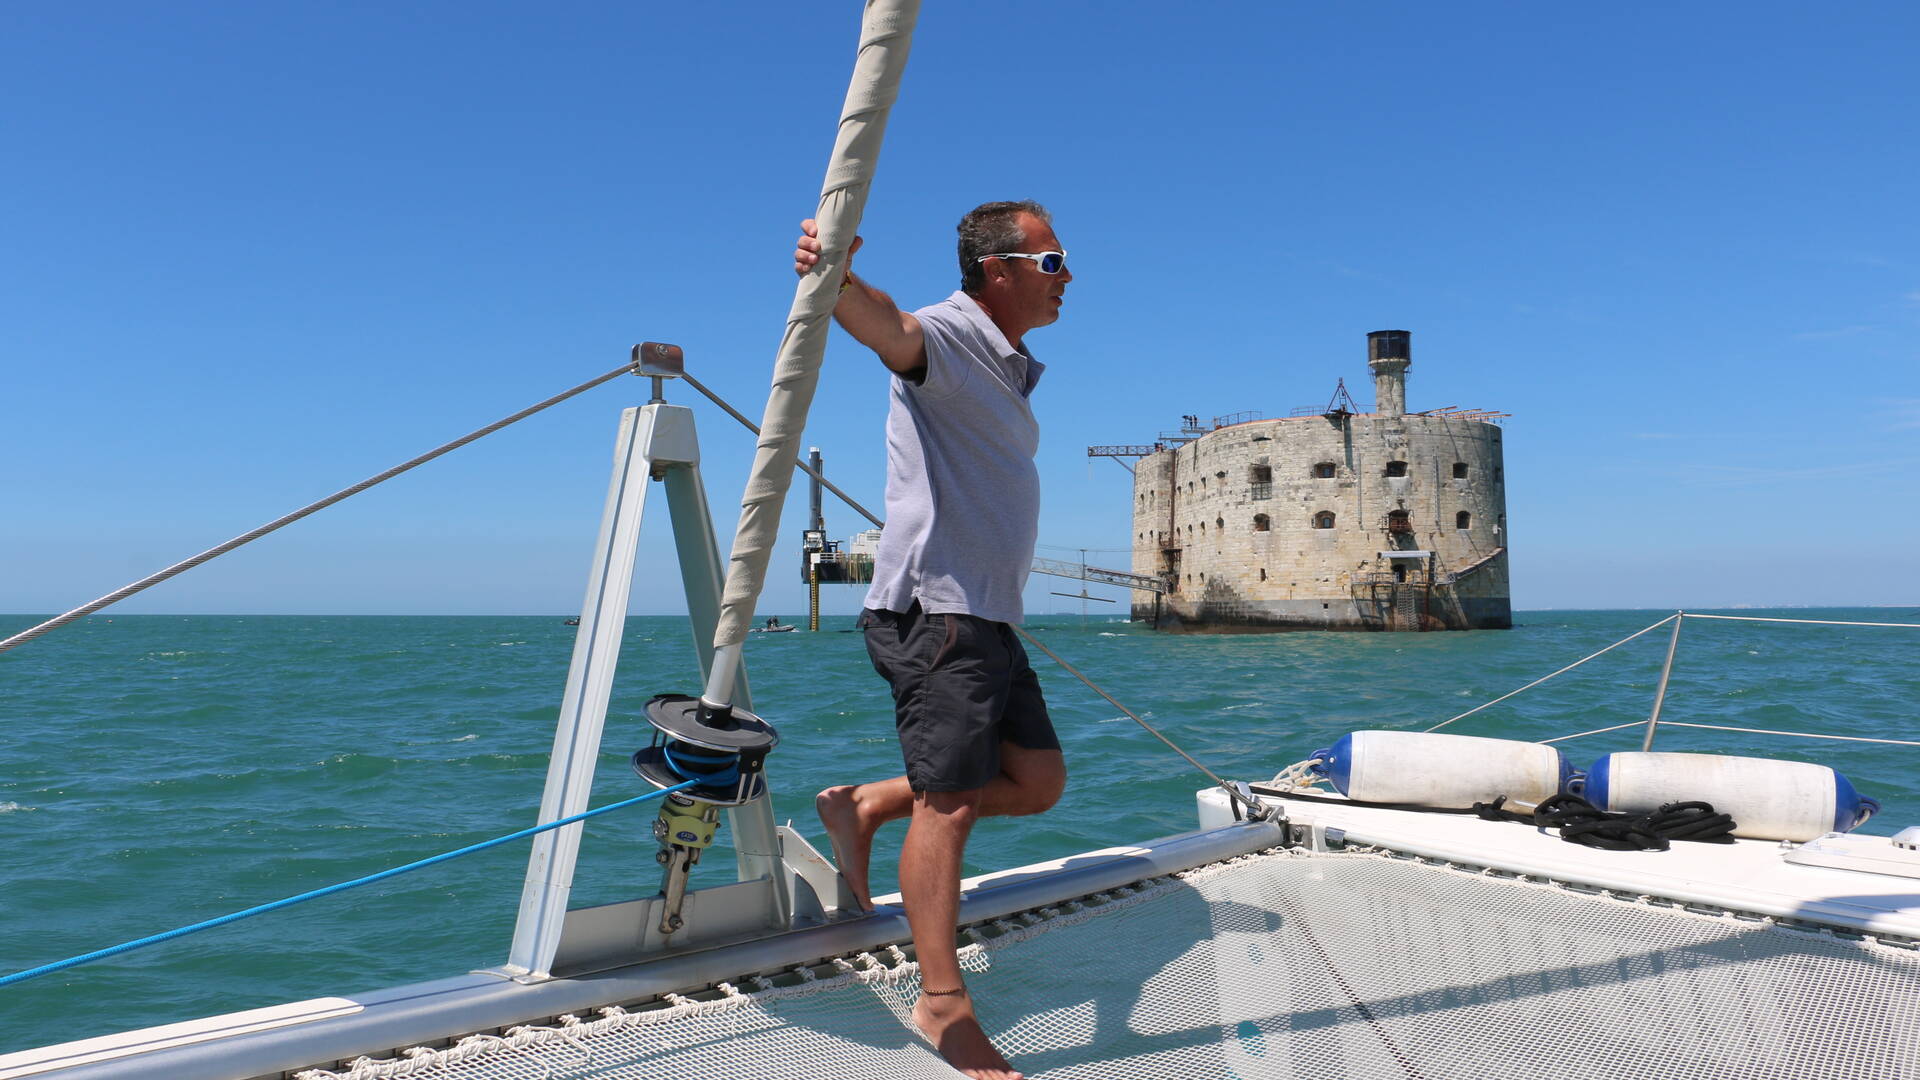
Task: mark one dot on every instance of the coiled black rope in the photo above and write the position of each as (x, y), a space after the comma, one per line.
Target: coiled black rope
(1581, 822)
(1578, 820)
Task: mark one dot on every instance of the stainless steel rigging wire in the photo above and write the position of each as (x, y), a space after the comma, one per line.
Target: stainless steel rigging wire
(184, 565)
(1745, 730)
(1562, 671)
(1678, 618)
(801, 465)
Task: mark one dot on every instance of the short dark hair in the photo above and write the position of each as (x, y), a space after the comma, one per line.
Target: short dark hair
(989, 229)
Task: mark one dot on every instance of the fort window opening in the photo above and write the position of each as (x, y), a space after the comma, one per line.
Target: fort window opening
(1462, 520)
(1396, 468)
(1323, 520)
(1459, 470)
(1399, 522)
(1261, 524)
(1323, 471)
(1263, 573)
(1261, 477)
(1220, 523)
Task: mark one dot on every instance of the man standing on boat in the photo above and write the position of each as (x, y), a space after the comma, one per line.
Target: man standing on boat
(963, 509)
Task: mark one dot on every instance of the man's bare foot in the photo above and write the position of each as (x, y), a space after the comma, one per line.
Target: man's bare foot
(948, 1022)
(851, 838)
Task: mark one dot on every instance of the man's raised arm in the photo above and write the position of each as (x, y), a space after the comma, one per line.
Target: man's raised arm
(868, 314)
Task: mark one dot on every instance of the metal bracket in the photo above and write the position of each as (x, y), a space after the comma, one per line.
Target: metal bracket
(1254, 808)
(659, 361)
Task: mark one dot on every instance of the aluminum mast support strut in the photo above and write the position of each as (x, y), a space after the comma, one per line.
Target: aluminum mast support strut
(656, 441)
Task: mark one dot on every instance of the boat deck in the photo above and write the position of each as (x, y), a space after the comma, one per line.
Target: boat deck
(1748, 876)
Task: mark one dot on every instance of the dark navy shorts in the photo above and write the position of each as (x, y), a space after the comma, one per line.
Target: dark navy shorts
(960, 684)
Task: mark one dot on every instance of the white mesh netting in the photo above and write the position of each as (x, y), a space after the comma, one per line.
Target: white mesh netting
(1346, 965)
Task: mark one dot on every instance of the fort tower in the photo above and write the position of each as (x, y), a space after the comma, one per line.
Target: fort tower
(1330, 519)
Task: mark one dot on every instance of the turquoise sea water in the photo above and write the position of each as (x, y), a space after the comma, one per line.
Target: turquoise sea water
(159, 770)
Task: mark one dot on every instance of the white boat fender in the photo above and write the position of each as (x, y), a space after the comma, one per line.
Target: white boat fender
(1768, 799)
(1453, 772)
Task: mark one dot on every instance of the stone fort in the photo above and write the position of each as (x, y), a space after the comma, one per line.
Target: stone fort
(1339, 519)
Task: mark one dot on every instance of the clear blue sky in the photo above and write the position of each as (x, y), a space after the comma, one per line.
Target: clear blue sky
(255, 252)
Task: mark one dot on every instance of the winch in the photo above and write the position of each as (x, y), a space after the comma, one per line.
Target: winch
(725, 750)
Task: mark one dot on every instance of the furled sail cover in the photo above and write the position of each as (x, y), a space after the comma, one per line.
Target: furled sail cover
(886, 35)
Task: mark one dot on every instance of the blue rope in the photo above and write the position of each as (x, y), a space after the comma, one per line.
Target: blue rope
(155, 939)
(718, 777)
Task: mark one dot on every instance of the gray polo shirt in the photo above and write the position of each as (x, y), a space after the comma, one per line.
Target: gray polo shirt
(963, 495)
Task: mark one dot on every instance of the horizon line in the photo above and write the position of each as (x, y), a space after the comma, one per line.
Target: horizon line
(683, 615)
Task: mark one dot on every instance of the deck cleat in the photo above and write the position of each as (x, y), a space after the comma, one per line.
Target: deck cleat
(725, 750)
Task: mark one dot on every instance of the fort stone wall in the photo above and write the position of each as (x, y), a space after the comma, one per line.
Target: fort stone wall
(1342, 521)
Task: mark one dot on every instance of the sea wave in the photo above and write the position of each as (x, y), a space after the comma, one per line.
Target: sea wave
(289, 753)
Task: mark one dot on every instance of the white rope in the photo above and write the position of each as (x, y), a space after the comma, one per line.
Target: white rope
(1725, 727)
(1808, 622)
(1596, 731)
(1297, 777)
(1797, 734)
(1562, 671)
(214, 552)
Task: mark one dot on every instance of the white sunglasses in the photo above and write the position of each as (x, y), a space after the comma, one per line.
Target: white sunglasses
(1049, 262)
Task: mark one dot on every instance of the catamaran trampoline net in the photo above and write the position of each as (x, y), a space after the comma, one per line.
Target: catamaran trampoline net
(1284, 965)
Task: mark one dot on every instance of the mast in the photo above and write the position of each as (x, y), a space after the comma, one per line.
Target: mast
(886, 36)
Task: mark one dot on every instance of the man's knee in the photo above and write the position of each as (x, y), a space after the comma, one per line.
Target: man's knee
(1039, 777)
(1047, 789)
